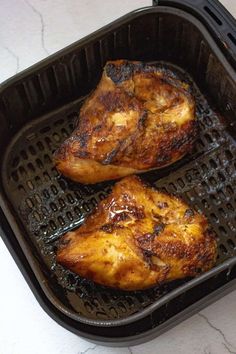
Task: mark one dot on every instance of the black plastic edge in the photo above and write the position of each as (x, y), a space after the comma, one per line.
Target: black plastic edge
(215, 17)
(82, 42)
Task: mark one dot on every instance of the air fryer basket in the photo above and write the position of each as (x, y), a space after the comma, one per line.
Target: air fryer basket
(37, 111)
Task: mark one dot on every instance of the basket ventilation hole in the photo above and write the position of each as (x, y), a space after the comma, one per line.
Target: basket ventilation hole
(228, 154)
(229, 190)
(213, 163)
(31, 167)
(212, 181)
(214, 217)
(46, 194)
(21, 188)
(62, 203)
(204, 168)
(22, 170)
(45, 129)
(24, 155)
(39, 163)
(52, 225)
(215, 135)
(230, 207)
(64, 132)
(213, 15)
(40, 146)
(69, 216)
(55, 172)
(180, 182)
(205, 204)
(78, 211)
(223, 249)
(14, 176)
(222, 230)
(172, 186)
(70, 198)
(46, 176)
(54, 189)
(53, 206)
(208, 138)
(231, 243)
(15, 161)
(32, 150)
(61, 220)
(37, 180)
(221, 194)
(222, 212)
(232, 38)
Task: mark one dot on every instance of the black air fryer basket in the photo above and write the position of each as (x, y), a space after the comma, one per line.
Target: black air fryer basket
(197, 40)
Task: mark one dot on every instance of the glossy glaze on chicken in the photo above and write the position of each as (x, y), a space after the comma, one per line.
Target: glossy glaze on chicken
(137, 238)
(138, 118)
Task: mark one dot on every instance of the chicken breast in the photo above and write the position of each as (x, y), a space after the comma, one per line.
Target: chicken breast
(138, 118)
(137, 238)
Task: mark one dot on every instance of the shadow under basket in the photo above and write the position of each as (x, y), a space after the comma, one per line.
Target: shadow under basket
(37, 110)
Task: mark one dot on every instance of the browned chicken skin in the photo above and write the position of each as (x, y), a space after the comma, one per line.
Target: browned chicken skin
(137, 238)
(138, 118)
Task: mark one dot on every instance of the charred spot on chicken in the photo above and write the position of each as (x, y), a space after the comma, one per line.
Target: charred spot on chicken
(139, 117)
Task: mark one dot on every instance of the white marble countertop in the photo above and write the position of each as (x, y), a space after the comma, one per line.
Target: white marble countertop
(30, 30)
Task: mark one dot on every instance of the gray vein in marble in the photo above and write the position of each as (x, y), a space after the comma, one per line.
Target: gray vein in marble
(90, 348)
(129, 350)
(227, 348)
(14, 56)
(42, 25)
(227, 343)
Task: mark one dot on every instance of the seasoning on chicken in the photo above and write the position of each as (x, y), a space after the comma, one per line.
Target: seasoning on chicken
(139, 117)
(139, 237)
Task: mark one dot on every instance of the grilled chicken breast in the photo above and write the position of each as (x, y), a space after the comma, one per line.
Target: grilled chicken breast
(137, 238)
(138, 118)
